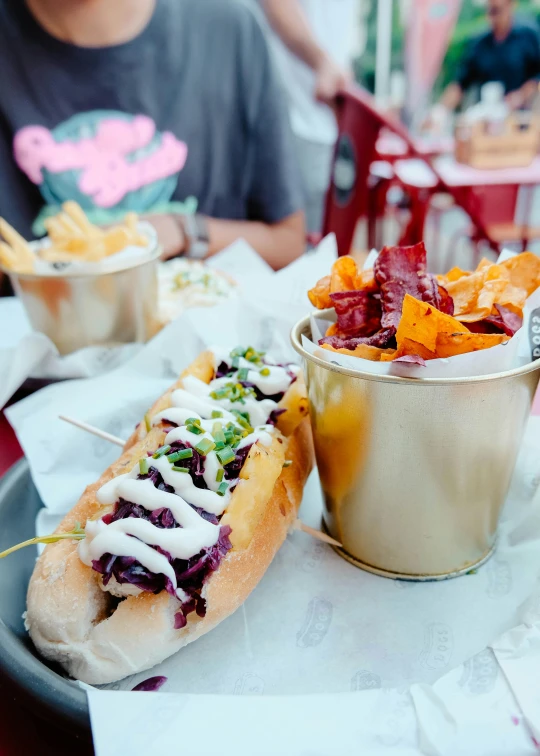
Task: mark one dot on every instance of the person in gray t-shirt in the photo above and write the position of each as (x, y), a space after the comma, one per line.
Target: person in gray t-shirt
(162, 107)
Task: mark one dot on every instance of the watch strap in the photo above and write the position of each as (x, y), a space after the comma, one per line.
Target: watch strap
(196, 232)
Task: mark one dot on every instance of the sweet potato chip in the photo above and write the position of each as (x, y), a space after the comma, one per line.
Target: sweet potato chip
(365, 280)
(451, 344)
(453, 275)
(422, 322)
(343, 275)
(490, 293)
(524, 271)
(409, 347)
(465, 291)
(374, 354)
(319, 295)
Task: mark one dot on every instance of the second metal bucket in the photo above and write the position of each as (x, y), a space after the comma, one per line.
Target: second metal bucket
(415, 472)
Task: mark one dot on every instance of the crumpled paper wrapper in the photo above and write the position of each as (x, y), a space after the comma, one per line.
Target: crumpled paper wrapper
(522, 348)
(323, 658)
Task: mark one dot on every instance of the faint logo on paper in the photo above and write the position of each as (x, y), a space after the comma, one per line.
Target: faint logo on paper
(168, 369)
(310, 560)
(499, 579)
(249, 685)
(365, 680)
(534, 333)
(395, 716)
(438, 646)
(316, 624)
(480, 673)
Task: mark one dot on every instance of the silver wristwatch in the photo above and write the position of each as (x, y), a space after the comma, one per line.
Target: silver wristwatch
(196, 233)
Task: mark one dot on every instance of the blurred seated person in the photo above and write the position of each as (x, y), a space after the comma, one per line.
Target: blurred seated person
(313, 52)
(154, 106)
(508, 53)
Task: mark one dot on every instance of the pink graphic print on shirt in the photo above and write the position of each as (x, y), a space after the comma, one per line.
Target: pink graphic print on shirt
(106, 175)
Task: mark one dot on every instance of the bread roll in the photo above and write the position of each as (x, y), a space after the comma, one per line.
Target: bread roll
(78, 622)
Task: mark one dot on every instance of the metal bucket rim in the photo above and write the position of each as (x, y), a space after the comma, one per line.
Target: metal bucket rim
(302, 328)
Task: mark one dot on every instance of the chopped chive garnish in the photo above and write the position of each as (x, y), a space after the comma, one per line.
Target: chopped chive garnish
(219, 475)
(220, 444)
(226, 455)
(144, 466)
(236, 361)
(193, 421)
(243, 419)
(287, 463)
(180, 454)
(217, 433)
(205, 446)
(219, 393)
(243, 374)
(222, 490)
(194, 429)
(252, 355)
(161, 451)
(265, 371)
(180, 469)
(147, 423)
(216, 413)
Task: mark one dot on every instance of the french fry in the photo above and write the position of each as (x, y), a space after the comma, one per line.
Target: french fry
(75, 245)
(21, 248)
(68, 226)
(54, 229)
(78, 216)
(53, 254)
(8, 258)
(116, 239)
(136, 238)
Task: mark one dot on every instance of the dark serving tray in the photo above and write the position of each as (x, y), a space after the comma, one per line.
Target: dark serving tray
(37, 684)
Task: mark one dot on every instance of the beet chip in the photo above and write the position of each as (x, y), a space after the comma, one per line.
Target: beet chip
(446, 303)
(358, 312)
(509, 322)
(411, 359)
(381, 339)
(400, 271)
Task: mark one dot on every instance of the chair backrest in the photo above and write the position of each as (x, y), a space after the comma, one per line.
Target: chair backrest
(359, 123)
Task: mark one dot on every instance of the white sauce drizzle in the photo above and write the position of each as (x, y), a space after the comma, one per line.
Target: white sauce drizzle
(134, 537)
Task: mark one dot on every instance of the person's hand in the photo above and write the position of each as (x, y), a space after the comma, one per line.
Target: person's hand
(330, 80)
(170, 234)
(514, 100)
(522, 96)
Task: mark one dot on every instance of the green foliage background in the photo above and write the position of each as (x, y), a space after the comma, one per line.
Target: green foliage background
(472, 21)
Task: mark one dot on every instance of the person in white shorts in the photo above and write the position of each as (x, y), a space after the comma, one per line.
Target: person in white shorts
(313, 46)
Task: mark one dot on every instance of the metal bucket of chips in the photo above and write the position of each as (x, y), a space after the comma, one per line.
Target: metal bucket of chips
(414, 472)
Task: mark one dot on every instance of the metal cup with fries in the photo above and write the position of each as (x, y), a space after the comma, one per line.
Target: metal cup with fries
(72, 287)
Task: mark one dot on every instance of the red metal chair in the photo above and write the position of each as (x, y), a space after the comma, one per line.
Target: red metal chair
(353, 192)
